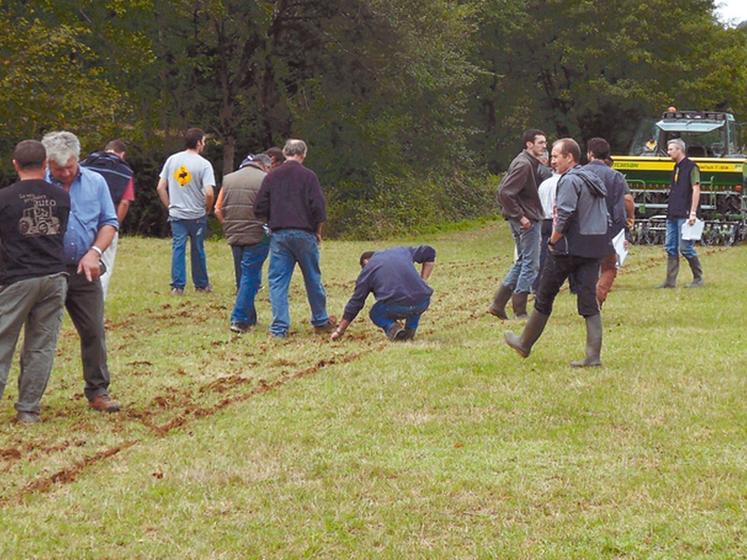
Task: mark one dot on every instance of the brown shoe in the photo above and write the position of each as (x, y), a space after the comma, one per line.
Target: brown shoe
(104, 403)
(327, 327)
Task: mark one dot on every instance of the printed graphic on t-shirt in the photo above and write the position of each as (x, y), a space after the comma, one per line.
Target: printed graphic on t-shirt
(37, 219)
(182, 175)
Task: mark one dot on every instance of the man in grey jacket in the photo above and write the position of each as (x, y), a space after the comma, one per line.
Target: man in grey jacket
(578, 241)
(517, 195)
(245, 234)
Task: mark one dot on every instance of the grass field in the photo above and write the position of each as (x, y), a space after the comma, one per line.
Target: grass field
(447, 447)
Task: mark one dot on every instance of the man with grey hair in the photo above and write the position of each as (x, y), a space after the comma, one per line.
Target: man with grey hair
(93, 223)
(683, 206)
(245, 234)
(291, 200)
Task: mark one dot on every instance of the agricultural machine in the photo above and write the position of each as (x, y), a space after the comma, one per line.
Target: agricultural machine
(712, 142)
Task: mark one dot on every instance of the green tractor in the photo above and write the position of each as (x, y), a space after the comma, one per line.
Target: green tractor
(713, 143)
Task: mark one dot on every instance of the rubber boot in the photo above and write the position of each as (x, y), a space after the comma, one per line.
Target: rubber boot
(673, 267)
(498, 307)
(593, 343)
(697, 270)
(532, 331)
(519, 303)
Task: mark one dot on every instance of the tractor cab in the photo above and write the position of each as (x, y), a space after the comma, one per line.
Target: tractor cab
(708, 134)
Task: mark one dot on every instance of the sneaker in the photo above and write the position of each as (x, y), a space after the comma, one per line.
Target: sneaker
(177, 291)
(104, 403)
(327, 327)
(27, 417)
(240, 327)
(395, 332)
(206, 290)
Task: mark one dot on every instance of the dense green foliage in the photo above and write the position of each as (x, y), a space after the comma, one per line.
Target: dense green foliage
(406, 108)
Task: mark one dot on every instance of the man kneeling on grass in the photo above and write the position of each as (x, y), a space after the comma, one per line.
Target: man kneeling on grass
(401, 293)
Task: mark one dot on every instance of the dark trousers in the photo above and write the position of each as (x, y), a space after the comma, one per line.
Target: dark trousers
(557, 269)
(545, 233)
(85, 304)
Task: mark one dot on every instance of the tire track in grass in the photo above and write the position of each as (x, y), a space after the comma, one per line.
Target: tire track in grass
(192, 410)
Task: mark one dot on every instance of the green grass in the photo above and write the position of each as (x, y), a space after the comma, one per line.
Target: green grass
(447, 447)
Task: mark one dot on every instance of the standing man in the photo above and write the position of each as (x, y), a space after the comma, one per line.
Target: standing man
(578, 241)
(292, 202)
(186, 188)
(92, 225)
(246, 236)
(517, 195)
(111, 165)
(400, 291)
(33, 220)
(683, 206)
(620, 207)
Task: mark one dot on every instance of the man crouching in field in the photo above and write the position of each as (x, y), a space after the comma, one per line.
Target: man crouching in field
(401, 293)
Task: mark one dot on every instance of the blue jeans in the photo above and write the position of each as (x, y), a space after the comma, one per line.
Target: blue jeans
(383, 314)
(251, 278)
(237, 251)
(288, 247)
(196, 231)
(674, 240)
(525, 269)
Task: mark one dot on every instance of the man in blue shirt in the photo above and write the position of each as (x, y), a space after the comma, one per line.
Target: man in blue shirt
(400, 292)
(91, 227)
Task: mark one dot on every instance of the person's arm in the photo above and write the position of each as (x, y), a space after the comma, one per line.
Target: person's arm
(209, 198)
(262, 202)
(566, 201)
(219, 205)
(163, 191)
(89, 264)
(318, 232)
(512, 184)
(340, 330)
(124, 204)
(629, 210)
(426, 269)
(695, 179)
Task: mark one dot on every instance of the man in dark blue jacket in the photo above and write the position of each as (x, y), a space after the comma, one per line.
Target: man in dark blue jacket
(578, 241)
(400, 291)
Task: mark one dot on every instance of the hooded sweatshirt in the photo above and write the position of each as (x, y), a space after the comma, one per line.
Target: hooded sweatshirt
(581, 215)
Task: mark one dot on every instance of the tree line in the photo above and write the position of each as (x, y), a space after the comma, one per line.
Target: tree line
(408, 108)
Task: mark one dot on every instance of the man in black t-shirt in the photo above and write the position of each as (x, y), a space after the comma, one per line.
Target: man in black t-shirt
(33, 220)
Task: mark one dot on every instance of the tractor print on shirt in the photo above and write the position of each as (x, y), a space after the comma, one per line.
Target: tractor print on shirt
(182, 176)
(38, 219)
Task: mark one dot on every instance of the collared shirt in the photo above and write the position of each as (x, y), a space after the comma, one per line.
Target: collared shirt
(91, 209)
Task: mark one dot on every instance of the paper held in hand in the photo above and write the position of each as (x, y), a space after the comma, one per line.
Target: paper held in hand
(693, 232)
(618, 242)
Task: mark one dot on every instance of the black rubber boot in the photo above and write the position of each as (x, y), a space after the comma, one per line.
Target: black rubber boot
(673, 267)
(697, 270)
(519, 303)
(498, 307)
(593, 343)
(532, 331)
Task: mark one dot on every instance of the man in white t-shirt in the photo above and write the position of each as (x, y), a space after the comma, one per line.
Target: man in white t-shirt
(546, 192)
(186, 188)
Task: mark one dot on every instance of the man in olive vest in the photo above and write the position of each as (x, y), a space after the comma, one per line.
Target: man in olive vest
(246, 235)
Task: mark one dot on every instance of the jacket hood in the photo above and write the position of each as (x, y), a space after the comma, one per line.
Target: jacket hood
(592, 181)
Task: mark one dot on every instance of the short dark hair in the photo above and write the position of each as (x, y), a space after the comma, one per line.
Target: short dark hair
(276, 154)
(116, 145)
(365, 256)
(569, 146)
(530, 135)
(30, 154)
(192, 137)
(599, 148)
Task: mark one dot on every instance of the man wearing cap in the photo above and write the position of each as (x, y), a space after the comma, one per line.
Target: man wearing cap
(245, 234)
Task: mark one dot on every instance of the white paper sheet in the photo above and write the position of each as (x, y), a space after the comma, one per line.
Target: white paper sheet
(618, 242)
(693, 232)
